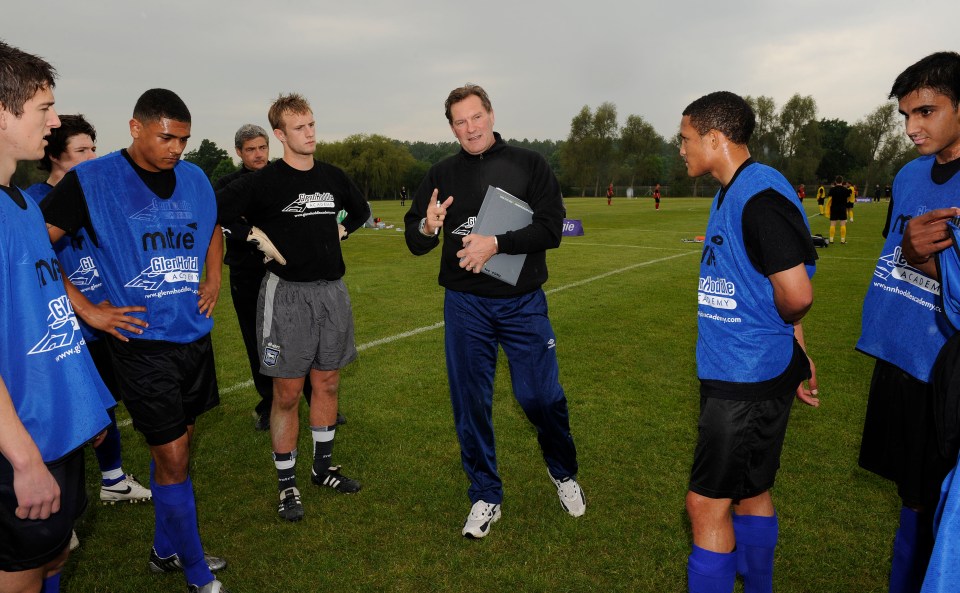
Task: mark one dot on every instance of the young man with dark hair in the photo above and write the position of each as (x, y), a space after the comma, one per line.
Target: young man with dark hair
(45, 367)
(482, 313)
(902, 328)
(74, 142)
(152, 220)
(304, 316)
(751, 359)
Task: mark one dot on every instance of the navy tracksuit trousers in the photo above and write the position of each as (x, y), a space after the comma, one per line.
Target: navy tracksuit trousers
(475, 327)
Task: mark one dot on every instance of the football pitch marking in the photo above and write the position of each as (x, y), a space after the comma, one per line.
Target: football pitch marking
(439, 324)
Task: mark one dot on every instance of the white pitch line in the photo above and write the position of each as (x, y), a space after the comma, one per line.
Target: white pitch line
(440, 324)
(622, 246)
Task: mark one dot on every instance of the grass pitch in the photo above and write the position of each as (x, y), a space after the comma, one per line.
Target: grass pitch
(623, 305)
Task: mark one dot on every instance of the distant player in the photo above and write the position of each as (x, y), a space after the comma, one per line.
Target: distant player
(837, 204)
(801, 193)
(609, 194)
(821, 196)
(656, 197)
(851, 200)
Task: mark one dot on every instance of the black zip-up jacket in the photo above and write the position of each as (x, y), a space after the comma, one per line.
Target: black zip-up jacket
(242, 256)
(521, 172)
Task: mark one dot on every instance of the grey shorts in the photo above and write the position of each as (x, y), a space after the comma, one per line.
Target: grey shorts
(303, 326)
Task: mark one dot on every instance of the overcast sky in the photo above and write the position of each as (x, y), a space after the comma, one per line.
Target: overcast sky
(386, 66)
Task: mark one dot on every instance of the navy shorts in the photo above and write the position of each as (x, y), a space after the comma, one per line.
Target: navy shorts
(27, 544)
(739, 445)
(165, 385)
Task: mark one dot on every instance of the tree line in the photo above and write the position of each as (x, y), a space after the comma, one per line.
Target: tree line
(599, 151)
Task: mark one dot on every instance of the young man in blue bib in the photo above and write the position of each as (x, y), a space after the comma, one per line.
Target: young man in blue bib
(74, 142)
(52, 402)
(152, 220)
(754, 289)
(902, 325)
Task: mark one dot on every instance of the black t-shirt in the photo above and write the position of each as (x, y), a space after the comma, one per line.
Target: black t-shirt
(297, 211)
(775, 234)
(65, 207)
(14, 193)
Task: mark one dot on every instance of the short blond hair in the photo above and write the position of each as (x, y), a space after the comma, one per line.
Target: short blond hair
(294, 103)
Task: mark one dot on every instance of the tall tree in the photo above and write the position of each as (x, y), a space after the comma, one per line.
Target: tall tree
(791, 127)
(836, 159)
(763, 144)
(640, 148)
(375, 163)
(207, 156)
(224, 167)
(603, 142)
(575, 158)
(588, 155)
(868, 140)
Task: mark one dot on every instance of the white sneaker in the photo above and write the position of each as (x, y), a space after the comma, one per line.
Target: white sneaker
(213, 586)
(482, 516)
(571, 496)
(74, 540)
(126, 490)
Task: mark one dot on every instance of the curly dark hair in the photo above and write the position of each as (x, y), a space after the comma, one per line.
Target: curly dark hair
(725, 112)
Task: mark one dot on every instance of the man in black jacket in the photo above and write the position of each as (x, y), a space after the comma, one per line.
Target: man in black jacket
(482, 313)
(246, 265)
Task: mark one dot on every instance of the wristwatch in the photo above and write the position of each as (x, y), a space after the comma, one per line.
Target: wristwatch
(423, 223)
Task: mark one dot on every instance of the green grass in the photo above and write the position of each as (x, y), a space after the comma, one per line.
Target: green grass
(622, 301)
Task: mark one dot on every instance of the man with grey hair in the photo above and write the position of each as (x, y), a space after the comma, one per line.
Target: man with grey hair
(246, 265)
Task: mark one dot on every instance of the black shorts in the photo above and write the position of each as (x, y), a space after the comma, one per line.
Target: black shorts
(26, 544)
(820, 201)
(838, 211)
(100, 354)
(899, 436)
(739, 445)
(165, 385)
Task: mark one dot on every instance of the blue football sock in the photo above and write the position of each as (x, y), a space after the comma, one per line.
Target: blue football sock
(161, 542)
(108, 453)
(711, 572)
(176, 513)
(756, 542)
(51, 584)
(905, 576)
